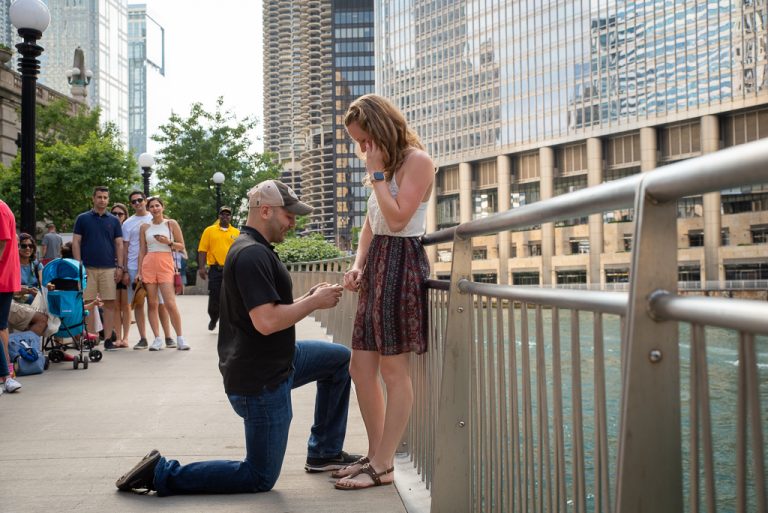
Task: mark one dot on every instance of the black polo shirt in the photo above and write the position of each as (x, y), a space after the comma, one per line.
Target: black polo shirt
(253, 276)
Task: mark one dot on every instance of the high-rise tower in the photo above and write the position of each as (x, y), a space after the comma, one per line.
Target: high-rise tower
(318, 57)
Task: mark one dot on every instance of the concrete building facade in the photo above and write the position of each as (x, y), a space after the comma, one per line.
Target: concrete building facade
(519, 102)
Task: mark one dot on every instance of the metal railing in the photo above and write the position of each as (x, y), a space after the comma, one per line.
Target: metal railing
(551, 399)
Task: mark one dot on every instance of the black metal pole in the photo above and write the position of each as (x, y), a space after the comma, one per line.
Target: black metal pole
(218, 198)
(146, 174)
(29, 67)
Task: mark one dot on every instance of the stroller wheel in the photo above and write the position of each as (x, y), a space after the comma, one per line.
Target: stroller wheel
(95, 355)
(85, 363)
(56, 355)
(76, 362)
(47, 363)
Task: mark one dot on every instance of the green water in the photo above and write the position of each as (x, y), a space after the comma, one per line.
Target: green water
(722, 361)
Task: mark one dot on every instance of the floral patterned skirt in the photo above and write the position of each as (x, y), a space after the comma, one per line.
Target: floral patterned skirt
(392, 305)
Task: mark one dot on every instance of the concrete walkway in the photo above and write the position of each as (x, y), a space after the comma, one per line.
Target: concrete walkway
(67, 435)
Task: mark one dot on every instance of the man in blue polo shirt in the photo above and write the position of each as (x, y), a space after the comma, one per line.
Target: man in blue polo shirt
(98, 243)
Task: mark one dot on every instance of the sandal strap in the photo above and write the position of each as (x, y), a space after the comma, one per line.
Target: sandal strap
(375, 476)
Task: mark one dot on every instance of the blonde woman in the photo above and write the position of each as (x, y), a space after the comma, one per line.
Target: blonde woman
(389, 272)
(156, 269)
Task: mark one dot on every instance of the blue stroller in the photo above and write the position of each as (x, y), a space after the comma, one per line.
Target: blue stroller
(65, 301)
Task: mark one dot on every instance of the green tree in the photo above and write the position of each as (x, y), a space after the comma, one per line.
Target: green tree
(192, 149)
(306, 249)
(74, 154)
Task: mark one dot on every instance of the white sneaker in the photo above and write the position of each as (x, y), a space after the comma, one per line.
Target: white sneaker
(157, 344)
(11, 385)
(181, 345)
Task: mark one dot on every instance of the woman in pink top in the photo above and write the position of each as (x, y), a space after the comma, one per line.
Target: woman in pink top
(156, 269)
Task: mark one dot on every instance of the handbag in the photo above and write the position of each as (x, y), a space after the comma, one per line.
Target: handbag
(139, 294)
(178, 285)
(26, 353)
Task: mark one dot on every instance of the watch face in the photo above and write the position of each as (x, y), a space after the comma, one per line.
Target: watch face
(378, 176)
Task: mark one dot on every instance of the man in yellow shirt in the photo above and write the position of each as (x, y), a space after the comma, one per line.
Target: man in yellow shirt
(212, 250)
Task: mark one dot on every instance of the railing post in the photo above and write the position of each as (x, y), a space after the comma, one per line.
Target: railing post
(649, 457)
(451, 485)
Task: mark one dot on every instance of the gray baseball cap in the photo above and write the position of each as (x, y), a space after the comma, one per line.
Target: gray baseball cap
(274, 193)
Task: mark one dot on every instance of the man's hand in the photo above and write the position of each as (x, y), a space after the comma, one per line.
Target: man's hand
(203, 272)
(326, 296)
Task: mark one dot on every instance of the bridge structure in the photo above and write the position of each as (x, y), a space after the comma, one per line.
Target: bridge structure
(565, 400)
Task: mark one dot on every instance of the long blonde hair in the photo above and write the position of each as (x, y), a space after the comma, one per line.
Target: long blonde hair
(386, 125)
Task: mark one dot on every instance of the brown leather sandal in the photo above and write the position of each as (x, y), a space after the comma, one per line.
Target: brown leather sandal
(336, 474)
(368, 470)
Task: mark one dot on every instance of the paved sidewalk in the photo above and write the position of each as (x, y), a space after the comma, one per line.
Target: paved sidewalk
(69, 434)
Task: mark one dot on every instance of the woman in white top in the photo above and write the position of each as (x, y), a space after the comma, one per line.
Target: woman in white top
(156, 269)
(390, 273)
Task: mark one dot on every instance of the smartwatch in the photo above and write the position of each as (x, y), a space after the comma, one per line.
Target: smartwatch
(377, 176)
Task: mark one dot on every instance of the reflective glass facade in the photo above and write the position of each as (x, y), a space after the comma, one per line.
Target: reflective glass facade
(100, 29)
(477, 77)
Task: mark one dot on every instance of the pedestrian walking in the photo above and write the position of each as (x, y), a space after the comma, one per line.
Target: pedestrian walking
(211, 252)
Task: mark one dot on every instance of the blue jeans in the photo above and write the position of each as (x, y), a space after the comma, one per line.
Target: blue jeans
(267, 417)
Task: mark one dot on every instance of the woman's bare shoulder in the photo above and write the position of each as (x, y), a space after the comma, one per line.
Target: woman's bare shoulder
(419, 159)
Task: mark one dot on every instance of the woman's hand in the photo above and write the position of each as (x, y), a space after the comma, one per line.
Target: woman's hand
(352, 279)
(374, 158)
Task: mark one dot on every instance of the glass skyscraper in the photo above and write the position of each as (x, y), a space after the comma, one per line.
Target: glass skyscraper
(100, 29)
(318, 56)
(522, 101)
(142, 28)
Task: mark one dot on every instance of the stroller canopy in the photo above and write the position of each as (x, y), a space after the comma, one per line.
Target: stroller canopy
(64, 269)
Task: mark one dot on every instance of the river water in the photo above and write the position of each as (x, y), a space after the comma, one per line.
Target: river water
(722, 361)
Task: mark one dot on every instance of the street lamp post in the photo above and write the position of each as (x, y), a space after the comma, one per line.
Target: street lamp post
(31, 18)
(218, 179)
(146, 161)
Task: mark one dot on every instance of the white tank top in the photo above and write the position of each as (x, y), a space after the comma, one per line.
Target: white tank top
(157, 229)
(416, 227)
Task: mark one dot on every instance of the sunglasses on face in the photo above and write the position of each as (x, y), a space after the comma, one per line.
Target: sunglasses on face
(120, 214)
(26, 246)
(136, 201)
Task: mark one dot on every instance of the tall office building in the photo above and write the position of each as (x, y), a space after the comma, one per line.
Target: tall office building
(520, 101)
(318, 57)
(101, 30)
(146, 49)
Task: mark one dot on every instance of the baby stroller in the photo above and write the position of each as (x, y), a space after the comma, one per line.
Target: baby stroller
(65, 301)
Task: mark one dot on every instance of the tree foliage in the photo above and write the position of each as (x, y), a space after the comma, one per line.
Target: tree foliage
(73, 155)
(192, 149)
(306, 249)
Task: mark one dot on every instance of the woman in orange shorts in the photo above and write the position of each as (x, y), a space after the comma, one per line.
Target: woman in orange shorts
(156, 269)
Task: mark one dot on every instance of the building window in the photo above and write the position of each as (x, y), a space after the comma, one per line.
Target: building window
(725, 237)
(448, 211)
(690, 207)
(749, 271)
(524, 194)
(759, 233)
(579, 246)
(479, 253)
(571, 276)
(738, 203)
(695, 238)
(484, 203)
(484, 277)
(627, 241)
(534, 248)
(617, 275)
(689, 273)
(513, 250)
(525, 278)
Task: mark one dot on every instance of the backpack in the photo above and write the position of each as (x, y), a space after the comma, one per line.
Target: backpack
(26, 353)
